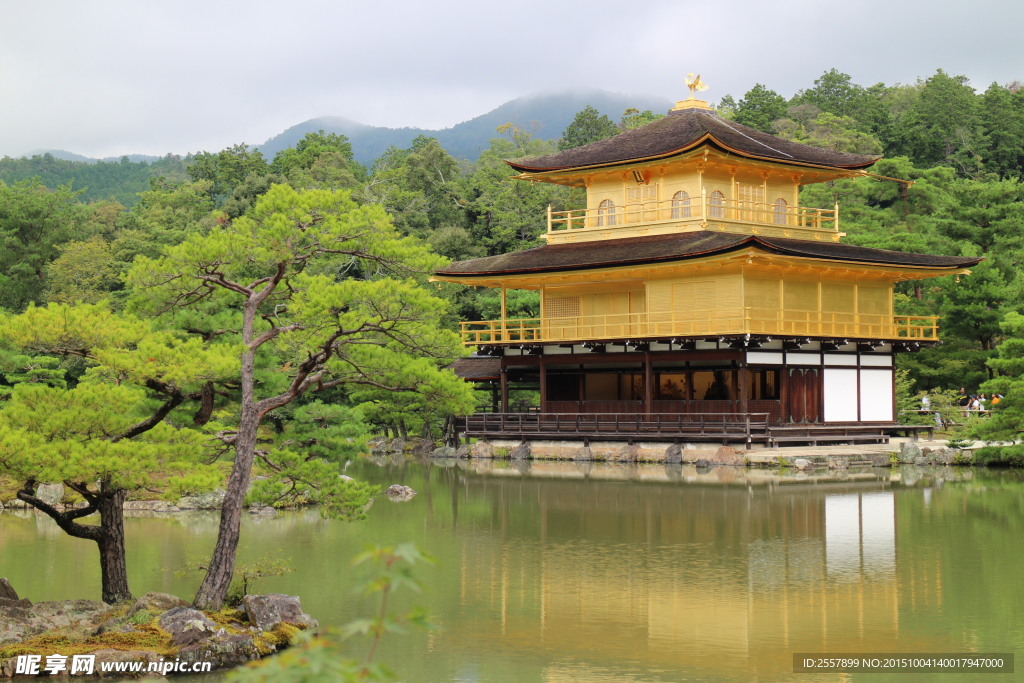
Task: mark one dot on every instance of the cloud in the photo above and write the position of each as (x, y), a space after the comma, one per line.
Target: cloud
(122, 76)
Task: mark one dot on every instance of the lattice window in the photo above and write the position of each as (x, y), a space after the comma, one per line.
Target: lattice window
(606, 213)
(716, 205)
(641, 200)
(681, 204)
(779, 210)
(750, 195)
(561, 307)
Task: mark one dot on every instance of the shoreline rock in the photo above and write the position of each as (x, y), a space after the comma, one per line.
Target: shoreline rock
(153, 627)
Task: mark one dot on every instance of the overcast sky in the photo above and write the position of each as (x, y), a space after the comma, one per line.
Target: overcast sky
(112, 77)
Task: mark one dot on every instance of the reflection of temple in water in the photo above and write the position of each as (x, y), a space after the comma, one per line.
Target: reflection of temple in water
(723, 576)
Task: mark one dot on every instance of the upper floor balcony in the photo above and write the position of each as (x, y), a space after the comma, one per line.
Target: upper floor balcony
(708, 211)
(723, 321)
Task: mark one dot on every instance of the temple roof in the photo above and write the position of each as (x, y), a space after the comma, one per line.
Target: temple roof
(681, 246)
(682, 131)
(477, 368)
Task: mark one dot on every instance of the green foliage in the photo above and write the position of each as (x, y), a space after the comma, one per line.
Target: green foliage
(85, 271)
(53, 434)
(227, 169)
(941, 126)
(588, 126)
(1000, 456)
(34, 221)
(326, 295)
(100, 425)
(835, 93)
(420, 409)
(827, 131)
(1006, 421)
(120, 181)
(319, 160)
(504, 213)
(634, 118)
(1002, 132)
(421, 187)
(247, 574)
(760, 107)
(18, 368)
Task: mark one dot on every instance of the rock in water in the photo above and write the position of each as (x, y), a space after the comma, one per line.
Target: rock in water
(400, 493)
(267, 611)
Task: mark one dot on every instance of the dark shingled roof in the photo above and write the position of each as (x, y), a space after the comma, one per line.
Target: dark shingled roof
(683, 130)
(682, 246)
(477, 368)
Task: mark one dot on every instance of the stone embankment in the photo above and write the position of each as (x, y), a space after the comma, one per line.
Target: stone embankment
(156, 627)
(905, 452)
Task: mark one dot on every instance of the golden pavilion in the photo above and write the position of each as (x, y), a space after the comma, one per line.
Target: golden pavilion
(695, 297)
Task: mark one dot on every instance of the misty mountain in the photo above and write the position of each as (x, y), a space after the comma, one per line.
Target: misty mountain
(546, 115)
(65, 155)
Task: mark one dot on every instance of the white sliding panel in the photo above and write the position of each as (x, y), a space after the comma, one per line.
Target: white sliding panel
(840, 393)
(876, 395)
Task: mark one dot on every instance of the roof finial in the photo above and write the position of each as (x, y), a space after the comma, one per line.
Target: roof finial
(695, 84)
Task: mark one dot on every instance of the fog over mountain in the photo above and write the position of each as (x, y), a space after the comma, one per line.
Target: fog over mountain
(546, 115)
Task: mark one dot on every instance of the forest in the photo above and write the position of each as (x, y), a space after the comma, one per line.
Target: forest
(961, 151)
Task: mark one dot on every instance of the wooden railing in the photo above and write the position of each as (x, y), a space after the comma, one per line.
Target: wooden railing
(746, 427)
(710, 322)
(697, 209)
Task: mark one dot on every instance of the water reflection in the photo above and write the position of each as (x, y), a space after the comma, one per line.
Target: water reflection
(683, 578)
(605, 572)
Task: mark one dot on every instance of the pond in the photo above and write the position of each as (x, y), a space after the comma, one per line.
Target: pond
(571, 572)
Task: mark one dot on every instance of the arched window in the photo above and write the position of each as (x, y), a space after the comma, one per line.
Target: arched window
(681, 205)
(606, 213)
(716, 205)
(779, 211)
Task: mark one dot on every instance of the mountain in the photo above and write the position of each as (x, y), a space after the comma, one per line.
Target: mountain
(546, 115)
(71, 156)
(58, 154)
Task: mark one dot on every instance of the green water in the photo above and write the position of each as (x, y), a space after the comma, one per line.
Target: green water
(610, 573)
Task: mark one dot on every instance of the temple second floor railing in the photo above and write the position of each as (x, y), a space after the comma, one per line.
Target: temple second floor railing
(700, 209)
(664, 324)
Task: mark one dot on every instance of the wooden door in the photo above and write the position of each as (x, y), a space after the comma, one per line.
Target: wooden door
(803, 394)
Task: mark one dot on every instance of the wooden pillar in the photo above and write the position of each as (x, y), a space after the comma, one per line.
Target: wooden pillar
(504, 389)
(744, 387)
(543, 385)
(504, 316)
(648, 385)
(786, 414)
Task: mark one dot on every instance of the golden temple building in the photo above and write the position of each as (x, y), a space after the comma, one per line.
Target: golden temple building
(695, 296)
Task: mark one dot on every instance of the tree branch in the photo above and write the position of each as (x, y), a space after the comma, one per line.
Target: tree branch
(65, 520)
(156, 418)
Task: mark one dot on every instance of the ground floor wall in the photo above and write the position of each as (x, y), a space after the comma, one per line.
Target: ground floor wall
(796, 382)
